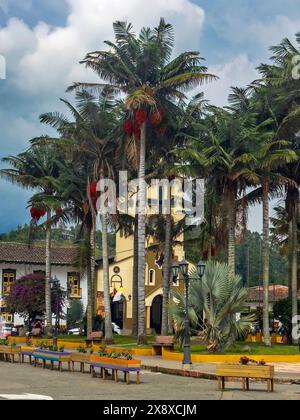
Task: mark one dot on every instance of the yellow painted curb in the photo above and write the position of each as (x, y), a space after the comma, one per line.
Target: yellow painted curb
(233, 358)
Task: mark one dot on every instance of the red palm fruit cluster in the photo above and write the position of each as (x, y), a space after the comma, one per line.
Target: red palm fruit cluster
(213, 252)
(141, 116)
(58, 211)
(137, 131)
(94, 194)
(128, 127)
(161, 129)
(37, 213)
(157, 117)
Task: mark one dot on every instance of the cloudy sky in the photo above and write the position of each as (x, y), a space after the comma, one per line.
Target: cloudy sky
(43, 41)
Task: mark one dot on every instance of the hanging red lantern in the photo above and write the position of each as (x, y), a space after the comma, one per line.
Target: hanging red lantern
(128, 127)
(156, 118)
(141, 116)
(137, 131)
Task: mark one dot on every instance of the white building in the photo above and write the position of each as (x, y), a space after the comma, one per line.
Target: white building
(18, 260)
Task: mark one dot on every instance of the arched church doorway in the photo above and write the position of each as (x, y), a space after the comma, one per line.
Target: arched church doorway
(118, 313)
(156, 314)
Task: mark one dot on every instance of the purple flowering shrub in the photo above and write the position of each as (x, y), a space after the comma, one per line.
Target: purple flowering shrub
(27, 297)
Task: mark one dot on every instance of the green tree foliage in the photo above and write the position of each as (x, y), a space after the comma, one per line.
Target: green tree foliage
(221, 296)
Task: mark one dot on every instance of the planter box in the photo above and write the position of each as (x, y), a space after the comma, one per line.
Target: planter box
(52, 356)
(55, 356)
(115, 362)
(245, 372)
(9, 352)
(10, 349)
(80, 357)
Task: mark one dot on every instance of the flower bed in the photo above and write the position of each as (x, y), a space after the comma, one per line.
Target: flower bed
(122, 359)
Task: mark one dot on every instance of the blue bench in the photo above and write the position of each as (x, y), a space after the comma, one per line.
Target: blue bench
(115, 369)
(52, 356)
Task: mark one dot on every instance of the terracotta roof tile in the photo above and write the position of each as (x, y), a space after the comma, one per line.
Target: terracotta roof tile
(255, 294)
(23, 254)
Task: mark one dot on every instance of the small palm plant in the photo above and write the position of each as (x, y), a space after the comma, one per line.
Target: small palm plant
(221, 297)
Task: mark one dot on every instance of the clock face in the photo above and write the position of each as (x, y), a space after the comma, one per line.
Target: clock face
(117, 270)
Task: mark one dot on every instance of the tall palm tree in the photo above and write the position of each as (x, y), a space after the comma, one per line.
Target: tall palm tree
(222, 153)
(141, 68)
(271, 154)
(286, 97)
(87, 141)
(38, 169)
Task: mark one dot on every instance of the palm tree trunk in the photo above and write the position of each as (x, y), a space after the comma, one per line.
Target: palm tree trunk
(106, 286)
(135, 309)
(48, 274)
(167, 274)
(231, 219)
(142, 339)
(266, 260)
(290, 250)
(294, 264)
(93, 262)
(90, 294)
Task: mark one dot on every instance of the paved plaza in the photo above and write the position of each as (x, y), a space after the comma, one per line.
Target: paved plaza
(17, 380)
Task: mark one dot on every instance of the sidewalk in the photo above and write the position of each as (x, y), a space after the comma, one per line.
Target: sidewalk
(284, 372)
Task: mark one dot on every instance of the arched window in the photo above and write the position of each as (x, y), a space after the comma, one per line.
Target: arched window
(152, 278)
(147, 275)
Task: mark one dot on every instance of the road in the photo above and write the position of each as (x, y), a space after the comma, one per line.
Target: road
(23, 379)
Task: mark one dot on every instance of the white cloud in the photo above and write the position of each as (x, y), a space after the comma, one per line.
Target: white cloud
(259, 34)
(238, 72)
(44, 60)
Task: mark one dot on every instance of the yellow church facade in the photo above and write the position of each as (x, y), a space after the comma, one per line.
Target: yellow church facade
(121, 277)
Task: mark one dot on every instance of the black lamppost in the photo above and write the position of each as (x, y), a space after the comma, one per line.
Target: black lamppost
(55, 287)
(183, 267)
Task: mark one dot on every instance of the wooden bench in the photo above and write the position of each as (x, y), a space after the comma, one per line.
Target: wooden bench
(51, 356)
(115, 369)
(95, 337)
(161, 344)
(246, 373)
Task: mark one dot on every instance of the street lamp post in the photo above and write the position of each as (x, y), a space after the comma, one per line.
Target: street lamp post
(183, 267)
(55, 286)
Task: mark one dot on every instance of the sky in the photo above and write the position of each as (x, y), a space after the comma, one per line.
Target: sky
(43, 41)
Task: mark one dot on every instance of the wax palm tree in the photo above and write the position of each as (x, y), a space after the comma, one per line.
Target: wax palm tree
(271, 154)
(142, 69)
(90, 148)
(38, 169)
(280, 77)
(223, 154)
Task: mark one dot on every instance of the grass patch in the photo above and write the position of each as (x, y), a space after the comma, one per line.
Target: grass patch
(119, 340)
(255, 349)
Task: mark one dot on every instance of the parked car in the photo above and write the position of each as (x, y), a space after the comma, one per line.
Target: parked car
(5, 330)
(75, 331)
(116, 328)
